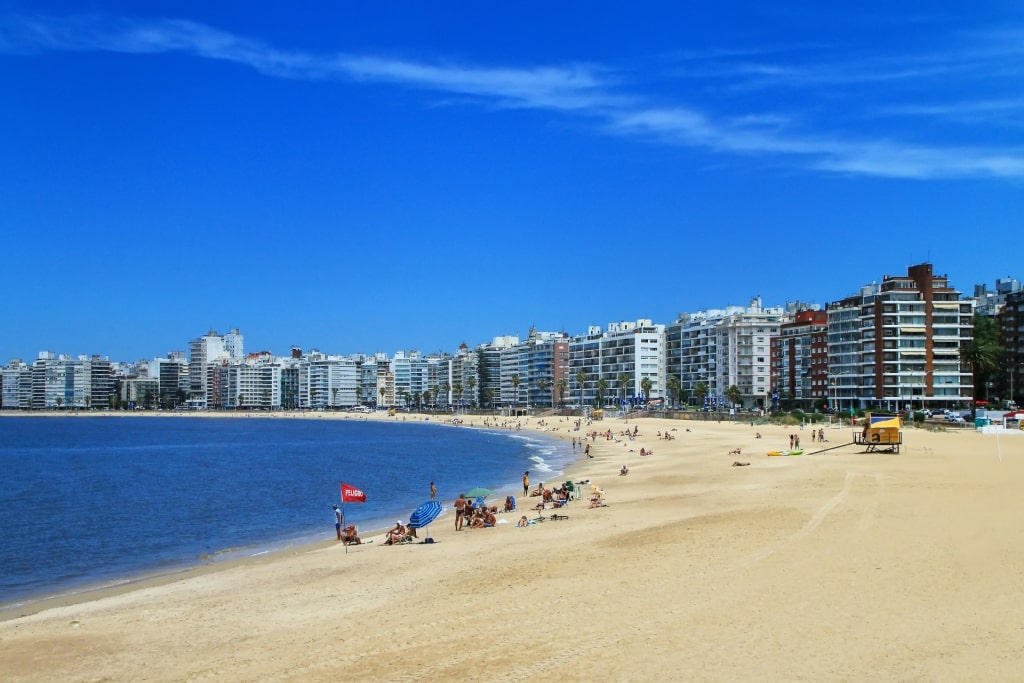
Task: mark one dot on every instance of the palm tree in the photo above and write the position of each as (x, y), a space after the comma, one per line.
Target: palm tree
(701, 390)
(623, 381)
(446, 387)
(734, 395)
(359, 395)
(471, 383)
(563, 386)
(602, 386)
(334, 397)
(581, 379)
(383, 391)
(515, 385)
(487, 396)
(983, 352)
(417, 398)
(458, 393)
(426, 397)
(673, 389)
(542, 386)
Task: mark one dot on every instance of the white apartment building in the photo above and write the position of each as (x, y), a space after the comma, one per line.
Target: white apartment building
(633, 349)
(328, 382)
(720, 348)
(207, 355)
(744, 343)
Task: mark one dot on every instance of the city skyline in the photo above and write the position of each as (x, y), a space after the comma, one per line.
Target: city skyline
(368, 179)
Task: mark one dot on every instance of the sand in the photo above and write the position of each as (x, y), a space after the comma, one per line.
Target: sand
(830, 566)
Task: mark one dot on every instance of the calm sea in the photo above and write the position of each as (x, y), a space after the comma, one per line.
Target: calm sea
(91, 501)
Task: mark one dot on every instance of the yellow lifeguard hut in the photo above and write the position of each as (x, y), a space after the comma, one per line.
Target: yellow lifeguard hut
(880, 434)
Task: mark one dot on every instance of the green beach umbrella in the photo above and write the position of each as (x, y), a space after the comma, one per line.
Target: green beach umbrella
(479, 492)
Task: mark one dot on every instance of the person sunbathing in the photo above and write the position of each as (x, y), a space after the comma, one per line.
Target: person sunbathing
(734, 451)
(737, 463)
(396, 535)
(523, 521)
(350, 535)
(624, 471)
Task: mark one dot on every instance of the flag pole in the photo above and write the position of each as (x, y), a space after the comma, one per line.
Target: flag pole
(343, 517)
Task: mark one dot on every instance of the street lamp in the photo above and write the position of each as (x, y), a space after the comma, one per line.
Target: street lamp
(1013, 371)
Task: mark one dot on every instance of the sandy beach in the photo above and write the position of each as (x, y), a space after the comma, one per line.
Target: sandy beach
(830, 566)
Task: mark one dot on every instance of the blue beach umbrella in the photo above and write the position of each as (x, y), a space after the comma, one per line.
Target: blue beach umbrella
(424, 515)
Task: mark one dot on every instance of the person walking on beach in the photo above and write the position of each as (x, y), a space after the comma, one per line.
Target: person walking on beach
(460, 510)
(526, 482)
(338, 520)
(433, 491)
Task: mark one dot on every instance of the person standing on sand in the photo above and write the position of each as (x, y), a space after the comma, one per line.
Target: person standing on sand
(338, 519)
(433, 491)
(460, 510)
(526, 482)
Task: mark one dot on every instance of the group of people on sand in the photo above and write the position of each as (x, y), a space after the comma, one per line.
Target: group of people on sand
(477, 516)
(347, 534)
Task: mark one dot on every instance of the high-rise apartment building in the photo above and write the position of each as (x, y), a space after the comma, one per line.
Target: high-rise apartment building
(799, 360)
(896, 345)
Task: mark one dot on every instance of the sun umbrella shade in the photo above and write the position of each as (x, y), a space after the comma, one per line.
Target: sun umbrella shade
(479, 492)
(424, 514)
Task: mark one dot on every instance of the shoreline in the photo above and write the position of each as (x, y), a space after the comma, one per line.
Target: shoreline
(271, 550)
(838, 565)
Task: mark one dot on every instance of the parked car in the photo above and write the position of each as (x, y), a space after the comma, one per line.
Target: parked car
(952, 417)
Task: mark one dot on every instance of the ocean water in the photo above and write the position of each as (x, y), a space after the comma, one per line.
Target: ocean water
(93, 501)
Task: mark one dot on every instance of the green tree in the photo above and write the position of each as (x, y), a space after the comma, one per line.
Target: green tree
(645, 385)
(334, 396)
(734, 394)
(458, 393)
(623, 382)
(446, 388)
(515, 386)
(487, 397)
(542, 387)
(700, 391)
(602, 386)
(581, 379)
(563, 386)
(673, 389)
(982, 353)
(382, 391)
(471, 383)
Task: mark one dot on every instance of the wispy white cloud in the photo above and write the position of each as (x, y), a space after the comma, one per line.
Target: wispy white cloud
(583, 89)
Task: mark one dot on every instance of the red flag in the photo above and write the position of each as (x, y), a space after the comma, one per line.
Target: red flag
(350, 494)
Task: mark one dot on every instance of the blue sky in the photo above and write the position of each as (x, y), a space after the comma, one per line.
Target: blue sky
(415, 175)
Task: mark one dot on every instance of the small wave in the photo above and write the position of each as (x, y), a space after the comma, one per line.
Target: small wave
(540, 464)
